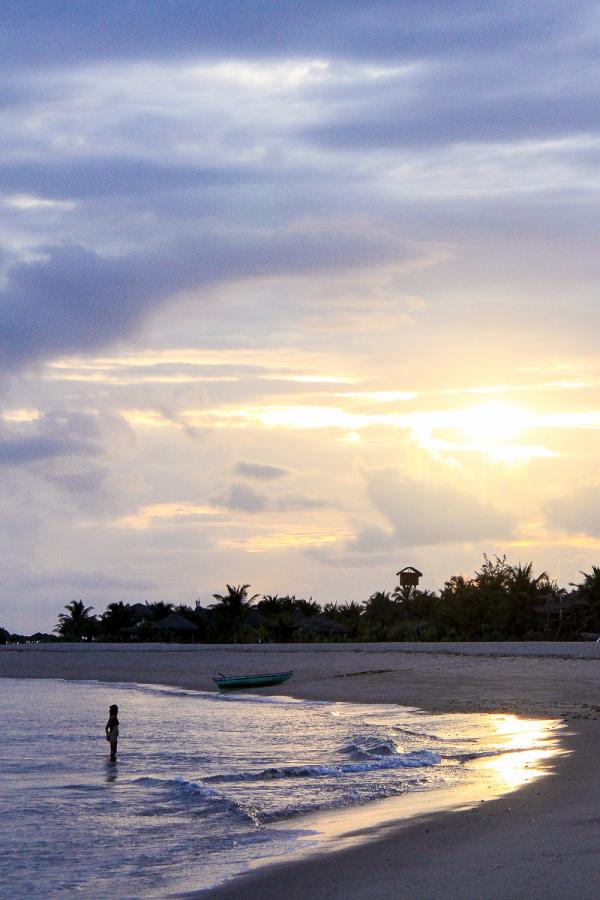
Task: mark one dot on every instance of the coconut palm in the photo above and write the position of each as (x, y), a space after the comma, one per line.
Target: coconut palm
(349, 614)
(77, 623)
(115, 619)
(380, 615)
(589, 591)
(231, 609)
(308, 607)
(278, 617)
(159, 610)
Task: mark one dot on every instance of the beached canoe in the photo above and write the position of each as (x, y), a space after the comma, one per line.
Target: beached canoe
(250, 681)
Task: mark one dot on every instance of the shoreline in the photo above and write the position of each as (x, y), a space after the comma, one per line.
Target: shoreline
(530, 844)
(539, 841)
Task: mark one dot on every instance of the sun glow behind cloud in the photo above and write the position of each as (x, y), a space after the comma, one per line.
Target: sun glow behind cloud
(497, 430)
(494, 423)
(492, 430)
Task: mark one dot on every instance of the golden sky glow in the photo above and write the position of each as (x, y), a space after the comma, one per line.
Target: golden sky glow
(164, 513)
(260, 543)
(500, 431)
(442, 436)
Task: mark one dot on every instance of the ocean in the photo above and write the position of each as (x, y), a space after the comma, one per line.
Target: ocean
(208, 785)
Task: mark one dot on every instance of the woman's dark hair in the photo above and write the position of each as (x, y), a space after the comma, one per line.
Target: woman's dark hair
(113, 709)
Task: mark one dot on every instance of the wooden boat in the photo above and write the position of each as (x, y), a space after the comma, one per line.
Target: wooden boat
(250, 681)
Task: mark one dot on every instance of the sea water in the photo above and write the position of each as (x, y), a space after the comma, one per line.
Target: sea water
(209, 785)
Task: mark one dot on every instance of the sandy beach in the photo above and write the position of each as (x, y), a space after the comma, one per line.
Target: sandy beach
(541, 841)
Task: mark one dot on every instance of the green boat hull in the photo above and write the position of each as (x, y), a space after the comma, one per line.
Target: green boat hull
(251, 681)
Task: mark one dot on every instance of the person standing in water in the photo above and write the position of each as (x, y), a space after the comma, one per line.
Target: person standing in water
(112, 729)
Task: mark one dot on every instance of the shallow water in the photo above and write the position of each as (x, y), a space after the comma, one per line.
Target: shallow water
(208, 785)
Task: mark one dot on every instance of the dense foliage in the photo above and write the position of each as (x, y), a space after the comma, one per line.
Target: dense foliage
(500, 601)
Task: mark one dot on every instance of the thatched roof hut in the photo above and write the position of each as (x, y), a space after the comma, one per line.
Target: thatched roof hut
(322, 625)
(175, 622)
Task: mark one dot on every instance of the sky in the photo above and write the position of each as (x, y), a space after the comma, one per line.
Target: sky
(294, 294)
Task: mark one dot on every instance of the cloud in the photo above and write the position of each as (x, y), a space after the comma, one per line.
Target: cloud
(298, 502)
(85, 483)
(261, 471)
(422, 513)
(46, 33)
(127, 176)
(373, 539)
(244, 498)
(217, 183)
(241, 497)
(74, 580)
(53, 436)
(73, 299)
(269, 184)
(577, 512)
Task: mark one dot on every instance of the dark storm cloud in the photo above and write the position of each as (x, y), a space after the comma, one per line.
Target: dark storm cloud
(46, 33)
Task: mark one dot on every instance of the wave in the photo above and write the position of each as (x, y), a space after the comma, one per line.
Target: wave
(346, 802)
(412, 760)
(85, 788)
(255, 816)
(184, 788)
(366, 749)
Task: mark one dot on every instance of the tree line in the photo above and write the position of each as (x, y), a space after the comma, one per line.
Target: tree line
(501, 601)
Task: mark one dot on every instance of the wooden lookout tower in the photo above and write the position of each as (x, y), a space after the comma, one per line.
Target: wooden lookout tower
(409, 580)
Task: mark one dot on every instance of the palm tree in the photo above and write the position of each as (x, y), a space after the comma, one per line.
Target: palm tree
(115, 619)
(308, 607)
(231, 609)
(159, 610)
(589, 591)
(274, 604)
(380, 614)
(349, 614)
(77, 623)
(525, 593)
(278, 616)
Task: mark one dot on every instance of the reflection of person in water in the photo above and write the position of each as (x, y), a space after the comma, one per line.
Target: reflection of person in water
(112, 729)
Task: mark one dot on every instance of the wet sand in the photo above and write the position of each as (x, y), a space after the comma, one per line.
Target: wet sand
(542, 841)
